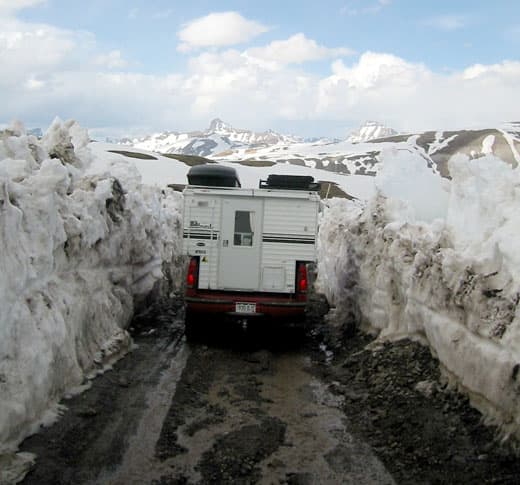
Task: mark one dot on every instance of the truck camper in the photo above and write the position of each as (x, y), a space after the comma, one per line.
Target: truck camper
(249, 248)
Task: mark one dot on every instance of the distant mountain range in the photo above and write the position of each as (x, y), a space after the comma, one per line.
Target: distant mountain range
(358, 154)
(219, 137)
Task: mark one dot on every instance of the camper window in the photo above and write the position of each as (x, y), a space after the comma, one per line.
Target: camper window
(243, 232)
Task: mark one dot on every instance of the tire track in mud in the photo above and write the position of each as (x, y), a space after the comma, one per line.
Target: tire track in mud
(107, 424)
(139, 464)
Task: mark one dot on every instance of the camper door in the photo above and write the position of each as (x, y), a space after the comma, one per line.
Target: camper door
(240, 242)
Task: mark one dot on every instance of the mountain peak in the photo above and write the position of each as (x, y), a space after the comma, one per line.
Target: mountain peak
(219, 126)
(370, 130)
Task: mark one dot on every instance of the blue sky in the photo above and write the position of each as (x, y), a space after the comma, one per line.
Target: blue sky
(442, 34)
(310, 68)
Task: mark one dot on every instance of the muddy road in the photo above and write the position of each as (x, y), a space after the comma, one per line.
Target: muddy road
(260, 406)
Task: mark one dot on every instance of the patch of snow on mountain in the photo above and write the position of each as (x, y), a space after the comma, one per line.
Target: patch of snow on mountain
(440, 142)
(513, 142)
(487, 144)
(371, 130)
(355, 185)
(163, 142)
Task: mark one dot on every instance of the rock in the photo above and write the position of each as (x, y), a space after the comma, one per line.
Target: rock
(426, 388)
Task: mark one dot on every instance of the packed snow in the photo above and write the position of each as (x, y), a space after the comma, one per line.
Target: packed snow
(158, 173)
(80, 248)
(437, 261)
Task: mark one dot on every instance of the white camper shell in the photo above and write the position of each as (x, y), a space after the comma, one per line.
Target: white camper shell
(249, 248)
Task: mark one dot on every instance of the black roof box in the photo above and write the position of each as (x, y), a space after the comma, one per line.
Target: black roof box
(213, 175)
(290, 182)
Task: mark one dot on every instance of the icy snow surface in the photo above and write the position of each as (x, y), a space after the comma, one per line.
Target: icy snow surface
(78, 250)
(448, 274)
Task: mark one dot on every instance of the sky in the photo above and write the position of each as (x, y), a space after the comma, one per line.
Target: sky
(134, 67)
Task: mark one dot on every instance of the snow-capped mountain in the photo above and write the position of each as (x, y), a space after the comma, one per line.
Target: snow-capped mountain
(363, 158)
(371, 130)
(219, 138)
(359, 154)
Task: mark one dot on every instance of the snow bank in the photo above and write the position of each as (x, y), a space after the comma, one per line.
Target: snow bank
(77, 252)
(449, 277)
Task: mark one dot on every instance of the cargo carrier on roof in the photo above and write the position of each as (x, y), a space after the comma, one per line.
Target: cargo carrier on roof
(249, 248)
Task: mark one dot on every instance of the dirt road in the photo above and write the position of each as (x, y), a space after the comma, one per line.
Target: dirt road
(260, 416)
(235, 409)
(260, 406)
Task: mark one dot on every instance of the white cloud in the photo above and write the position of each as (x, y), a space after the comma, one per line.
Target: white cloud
(409, 96)
(296, 50)
(111, 60)
(233, 86)
(507, 70)
(447, 22)
(33, 48)
(218, 30)
(48, 71)
(13, 5)
(376, 69)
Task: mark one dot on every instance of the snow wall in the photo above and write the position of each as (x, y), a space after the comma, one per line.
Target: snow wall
(439, 262)
(78, 250)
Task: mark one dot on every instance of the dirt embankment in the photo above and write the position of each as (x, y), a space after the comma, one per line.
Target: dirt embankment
(395, 399)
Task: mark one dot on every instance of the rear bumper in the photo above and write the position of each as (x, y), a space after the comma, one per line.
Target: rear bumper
(267, 305)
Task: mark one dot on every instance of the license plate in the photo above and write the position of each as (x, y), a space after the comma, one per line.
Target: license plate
(245, 307)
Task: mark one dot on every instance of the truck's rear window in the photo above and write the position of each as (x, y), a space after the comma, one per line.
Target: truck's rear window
(243, 228)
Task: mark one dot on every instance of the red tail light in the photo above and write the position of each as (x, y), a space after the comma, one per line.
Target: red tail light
(191, 278)
(301, 278)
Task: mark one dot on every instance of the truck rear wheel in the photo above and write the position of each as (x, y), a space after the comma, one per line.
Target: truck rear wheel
(192, 325)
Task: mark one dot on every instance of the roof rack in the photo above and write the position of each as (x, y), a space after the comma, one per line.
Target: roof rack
(290, 182)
